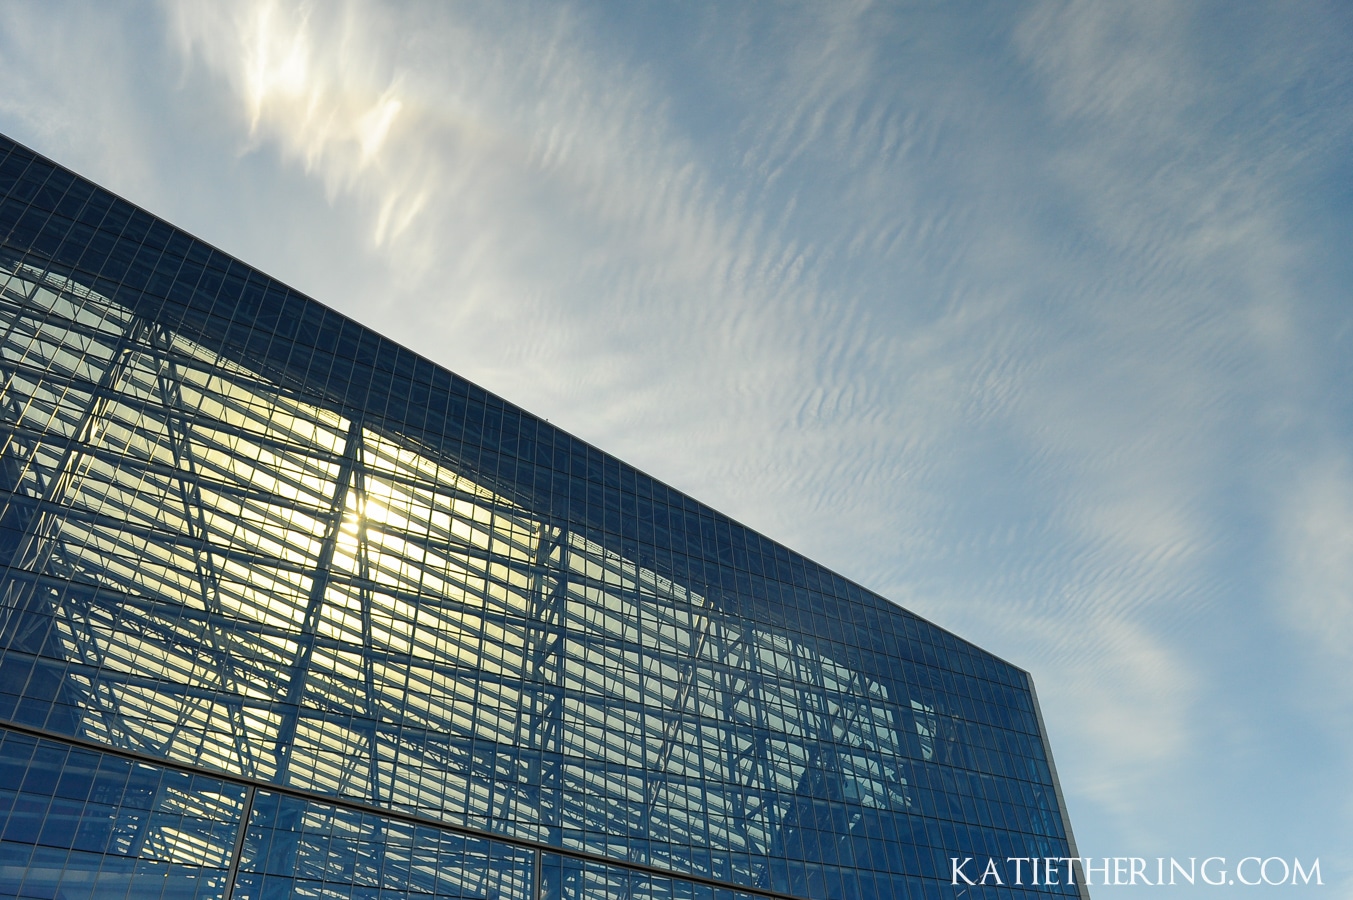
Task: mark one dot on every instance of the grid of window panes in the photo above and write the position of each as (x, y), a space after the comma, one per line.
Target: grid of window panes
(241, 534)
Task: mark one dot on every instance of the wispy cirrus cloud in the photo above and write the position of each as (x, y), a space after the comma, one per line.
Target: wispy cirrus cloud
(1162, 413)
(538, 187)
(1315, 584)
(309, 80)
(1001, 313)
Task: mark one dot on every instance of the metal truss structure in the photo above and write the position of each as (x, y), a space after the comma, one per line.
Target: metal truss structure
(226, 576)
(343, 638)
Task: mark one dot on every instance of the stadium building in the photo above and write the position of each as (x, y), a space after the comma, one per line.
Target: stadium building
(288, 610)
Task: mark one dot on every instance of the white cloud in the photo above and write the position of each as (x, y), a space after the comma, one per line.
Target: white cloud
(528, 183)
(312, 83)
(1316, 585)
(46, 93)
(999, 322)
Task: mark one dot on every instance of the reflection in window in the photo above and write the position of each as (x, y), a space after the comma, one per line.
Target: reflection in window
(209, 568)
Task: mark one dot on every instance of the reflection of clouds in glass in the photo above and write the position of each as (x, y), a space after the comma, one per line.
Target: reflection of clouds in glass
(267, 586)
(1010, 303)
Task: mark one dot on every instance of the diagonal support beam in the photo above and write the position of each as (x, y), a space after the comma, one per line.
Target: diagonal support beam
(539, 716)
(685, 683)
(38, 542)
(187, 475)
(300, 667)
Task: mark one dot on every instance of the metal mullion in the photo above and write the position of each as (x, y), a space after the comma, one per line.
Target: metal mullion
(542, 659)
(109, 527)
(741, 788)
(236, 374)
(208, 578)
(813, 729)
(100, 493)
(257, 405)
(308, 461)
(812, 740)
(237, 852)
(294, 541)
(358, 484)
(170, 641)
(366, 583)
(38, 521)
(673, 725)
(150, 621)
(267, 517)
(33, 391)
(16, 297)
(212, 427)
(54, 442)
(92, 648)
(47, 358)
(63, 474)
(366, 600)
(271, 497)
(268, 435)
(55, 409)
(452, 549)
(232, 490)
(319, 584)
(27, 336)
(129, 583)
(120, 602)
(108, 576)
(425, 570)
(443, 490)
(50, 371)
(270, 439)
(52, 318)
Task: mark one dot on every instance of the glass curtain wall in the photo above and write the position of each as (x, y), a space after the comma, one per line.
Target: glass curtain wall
(257, 639)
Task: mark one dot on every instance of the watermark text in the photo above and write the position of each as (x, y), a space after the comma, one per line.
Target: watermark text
(1131, 870)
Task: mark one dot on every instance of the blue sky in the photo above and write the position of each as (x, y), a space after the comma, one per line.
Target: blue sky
(1035, 318)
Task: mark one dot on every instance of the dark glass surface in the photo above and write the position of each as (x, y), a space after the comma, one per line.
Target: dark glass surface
(77, 823)
(242, 534)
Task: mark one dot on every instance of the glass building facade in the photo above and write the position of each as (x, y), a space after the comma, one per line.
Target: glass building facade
(287, 610)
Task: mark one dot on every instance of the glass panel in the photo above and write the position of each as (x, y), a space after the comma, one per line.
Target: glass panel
(217, 557)
(299, 849)
(566, 878)
(87, 824)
